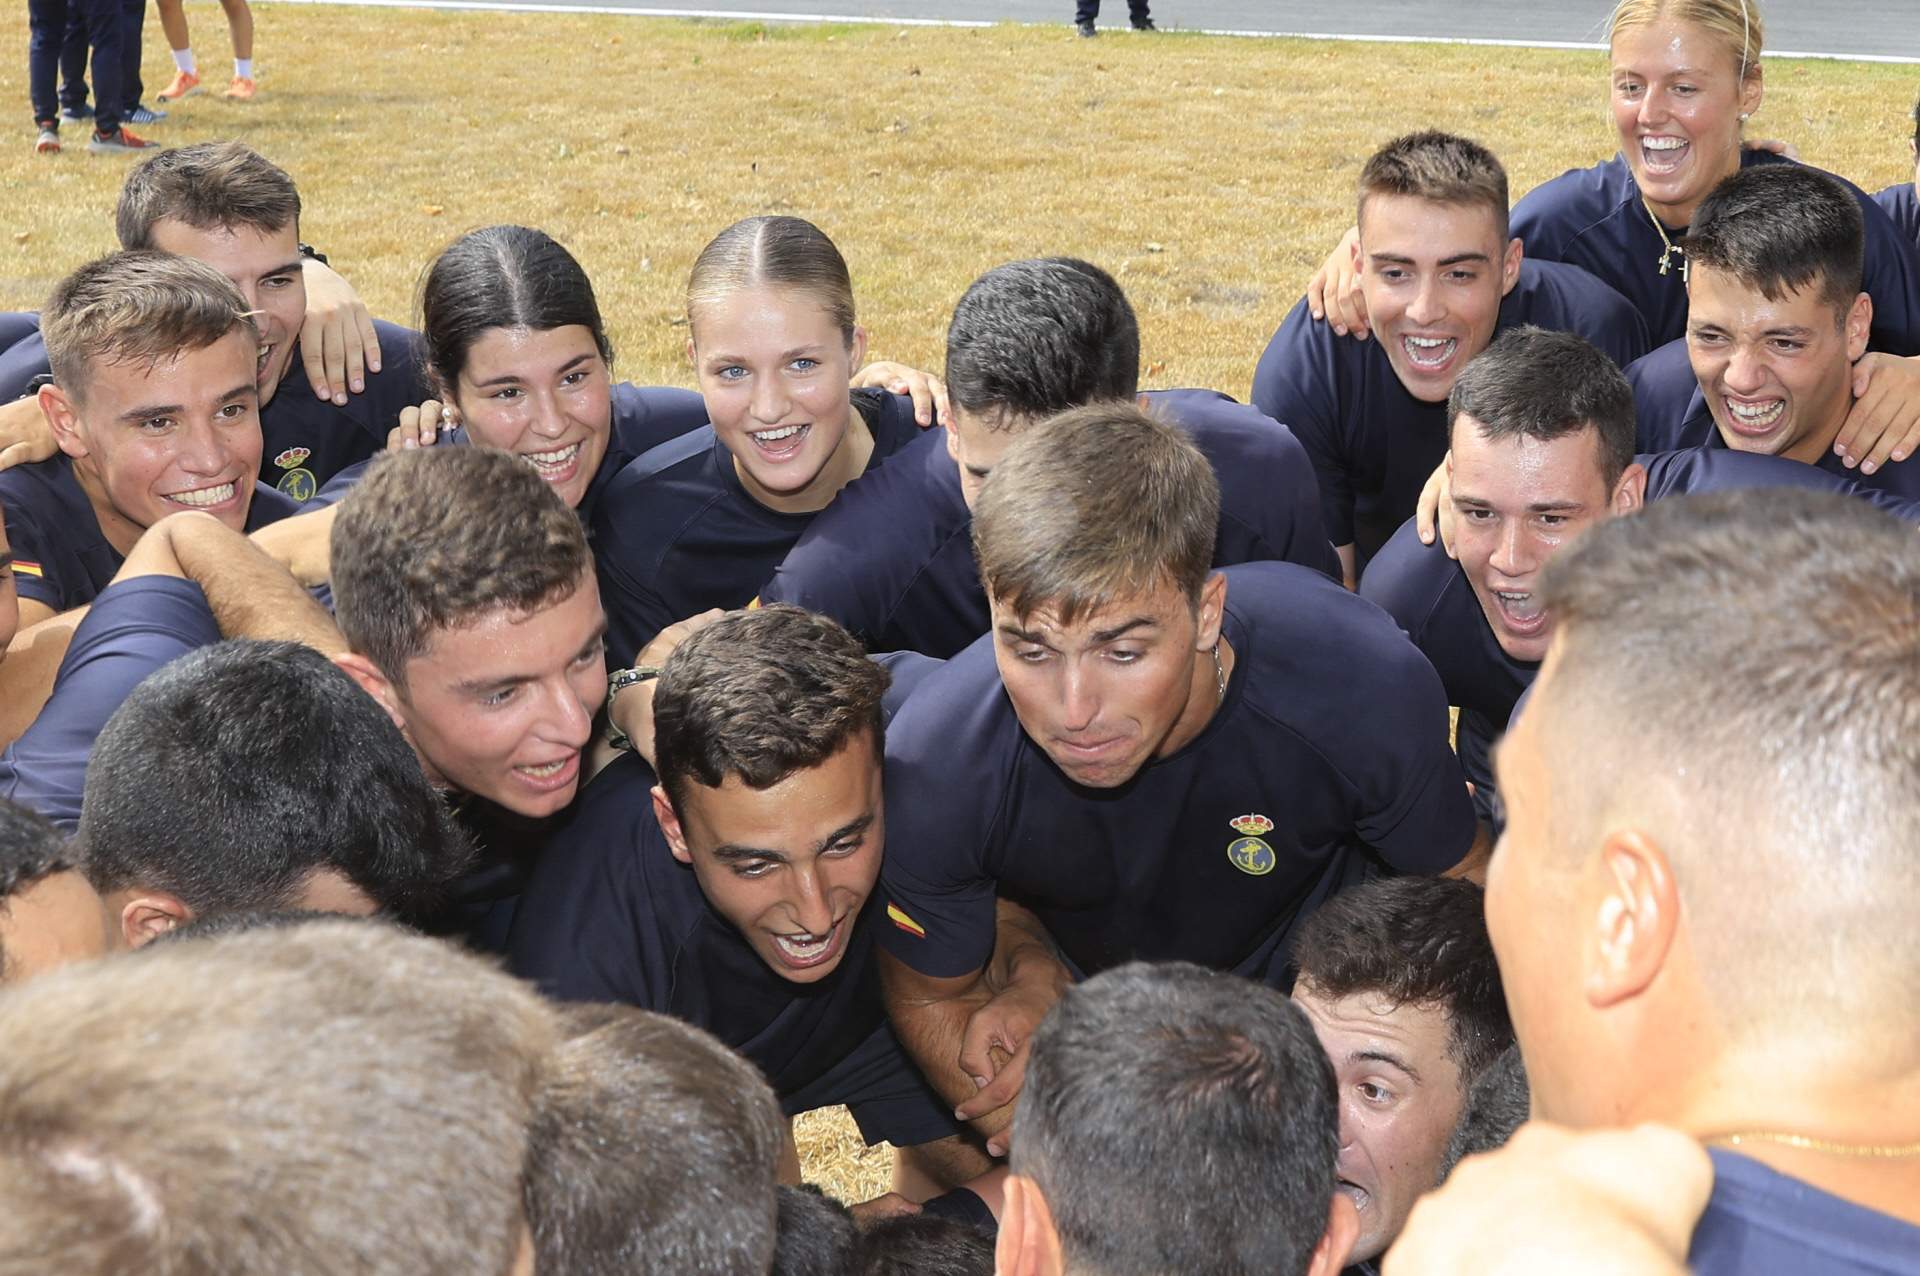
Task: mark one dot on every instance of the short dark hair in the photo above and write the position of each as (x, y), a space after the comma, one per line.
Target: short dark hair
(434, 538)
(501, 277)
(1537, 384)
(923, 1245)
(1778, 228)
(817, 1234)
(1178, 1119)
(762, 694)
(214, 925)
(1440, 167)
(1033, 338)
(1413, 941)
(1093, 505)
(138, 308)
(653, 1148)
(206, 185)
(1498, 1103)
(233, 774)
(31, 849)
(1741, 671)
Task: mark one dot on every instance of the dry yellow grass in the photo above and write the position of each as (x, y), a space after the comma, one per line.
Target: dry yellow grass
(1210, 174)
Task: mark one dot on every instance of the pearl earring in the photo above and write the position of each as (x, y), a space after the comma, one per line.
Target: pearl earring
(1743, 117)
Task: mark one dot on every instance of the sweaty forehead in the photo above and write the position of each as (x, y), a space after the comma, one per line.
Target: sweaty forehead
(1520, 469)
(242, 248)
(1370, 1021)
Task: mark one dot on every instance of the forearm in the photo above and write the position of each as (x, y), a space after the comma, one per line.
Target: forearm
(1024, 954)
(26, 677)
(933, 1024)
(250, 595)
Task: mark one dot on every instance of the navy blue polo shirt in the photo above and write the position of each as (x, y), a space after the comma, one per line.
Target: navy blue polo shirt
(610, 915)
(16, 326)
(62, 557)
(1327, 755)
(676, 532)
(1594, 218)
(1428, 595)
(1673, 415)
(306, 440)
(1373, 444)
(1759, 1222)
(1900, 206)
(134, 627)
(892, 557)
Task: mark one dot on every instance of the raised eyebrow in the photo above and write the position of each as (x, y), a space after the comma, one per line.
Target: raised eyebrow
(145, 410)
(284, 268)
(246, 390)
(1386, 1057)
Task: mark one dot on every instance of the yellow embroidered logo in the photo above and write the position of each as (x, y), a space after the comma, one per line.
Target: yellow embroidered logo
(1249, 852)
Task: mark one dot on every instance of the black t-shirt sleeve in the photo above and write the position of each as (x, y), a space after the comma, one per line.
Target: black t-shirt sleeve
(23, 366)
(35, 574)
(1401, 580)
(1295, 385)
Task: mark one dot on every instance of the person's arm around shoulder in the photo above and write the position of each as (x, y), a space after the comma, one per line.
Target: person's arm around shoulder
(249, 594)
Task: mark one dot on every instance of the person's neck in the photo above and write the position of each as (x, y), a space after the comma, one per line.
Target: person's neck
(1205, 695)
(1810, 448)
(847, 463)
(121, 532)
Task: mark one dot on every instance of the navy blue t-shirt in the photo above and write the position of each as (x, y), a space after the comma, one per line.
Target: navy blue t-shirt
(1373, 444)
(133, 628)
(306, 440)
(1673, 414)
(1760, 1222)
(1429, 596)
(16, 326)
(676, 532)
(1594, 218)
(62, 557)
(1331, 739)
(1900, 206)
(892, 557)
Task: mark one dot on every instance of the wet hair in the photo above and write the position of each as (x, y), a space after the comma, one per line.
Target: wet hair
(922, 1245)
(1779, 228)
(214, 925)
(1438, 167)
(1413, 941)
(780, 252)
(208, 186)
(436, 538)
(1532, 383)
(138, 308)
(232, 775)
(31, 850)
(334, 1097)
(1735, 23)
(501, 277)
(817, 1235)
(653, 1148)
(1033, 338)
(1178, 1119)
(1739, 674)
(1094, 505)
(1497, 1105)
(761, 695)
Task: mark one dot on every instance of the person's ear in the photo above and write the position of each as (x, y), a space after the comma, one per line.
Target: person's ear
(857, 348)
(375, 683)
(149, 915)
(1510, 265)
(1028, 1244)
(1858, 326)
(1752, 89)
(1630, 493)
(1213, 606)
(953, 441)
(63, 418)
(1636, 917)
(1336, 1243)
(669, 821)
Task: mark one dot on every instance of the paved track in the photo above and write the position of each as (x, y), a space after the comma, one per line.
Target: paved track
(1882, 30)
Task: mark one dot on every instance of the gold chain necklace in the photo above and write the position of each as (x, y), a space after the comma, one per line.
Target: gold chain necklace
(1886, 1151)
(1667, 244)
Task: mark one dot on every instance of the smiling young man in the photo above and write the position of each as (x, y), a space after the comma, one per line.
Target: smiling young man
(465, 590)
(1441, 277)
(1542, 435)
(1702, 903)
(1399, 982)
(735, 887)
(891, 558)
(1160, 761)
(1776, 322)
(155, 409)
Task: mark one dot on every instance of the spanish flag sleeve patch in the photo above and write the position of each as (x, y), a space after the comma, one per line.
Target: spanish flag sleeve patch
(28, 569)
(898, 917)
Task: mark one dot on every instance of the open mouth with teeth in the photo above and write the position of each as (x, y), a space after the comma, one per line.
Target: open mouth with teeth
(781, 444)
(556, 466)
(1755, 418)
(1430, 354)
(549, 777)
(1662, 155)
(802, 951)
(201, 498)
(1520, 611)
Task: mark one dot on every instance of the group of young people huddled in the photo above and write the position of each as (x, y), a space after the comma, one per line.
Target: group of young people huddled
(459, 806)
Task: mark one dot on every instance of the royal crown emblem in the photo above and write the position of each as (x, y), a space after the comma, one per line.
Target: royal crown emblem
(292, 457)
(1252, 825)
